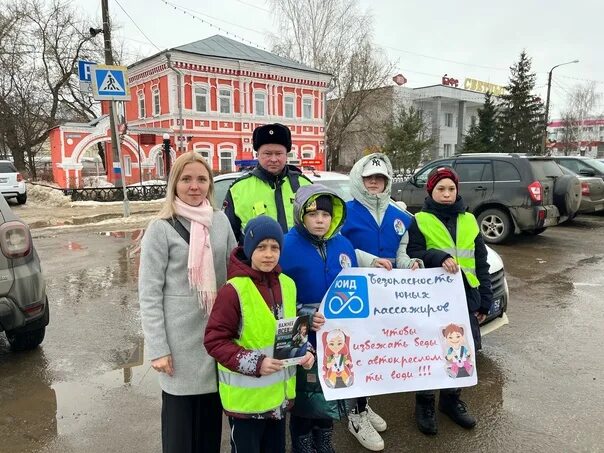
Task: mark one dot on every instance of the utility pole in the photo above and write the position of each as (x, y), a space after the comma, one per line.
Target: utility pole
(109, 61)
(115, 143)
(549, 89)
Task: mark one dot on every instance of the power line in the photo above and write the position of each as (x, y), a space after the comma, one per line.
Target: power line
(136, 25)
(582, 80)
(195, 14)
(255, 6)
(446, 60)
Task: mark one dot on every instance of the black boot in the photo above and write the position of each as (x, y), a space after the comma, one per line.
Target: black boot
(456, 410)
(425, 416)
(303, 444)
(323, 440)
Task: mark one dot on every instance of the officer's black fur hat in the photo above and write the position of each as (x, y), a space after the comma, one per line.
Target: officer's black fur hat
(272, 133)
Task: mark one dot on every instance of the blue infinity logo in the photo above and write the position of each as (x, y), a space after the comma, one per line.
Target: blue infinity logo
(347, 298)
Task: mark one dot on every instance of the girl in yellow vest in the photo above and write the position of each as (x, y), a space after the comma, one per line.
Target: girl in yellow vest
(445, 234)
(255, 389)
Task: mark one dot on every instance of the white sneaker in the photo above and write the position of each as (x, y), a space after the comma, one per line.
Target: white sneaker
(376, 421)
(368, 437)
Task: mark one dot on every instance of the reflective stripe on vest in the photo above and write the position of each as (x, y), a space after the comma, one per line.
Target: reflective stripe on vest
(245, 394)
(247, 193)
(462, 249)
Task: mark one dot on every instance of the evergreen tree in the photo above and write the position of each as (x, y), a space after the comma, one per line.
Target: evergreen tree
(521, 118)
(482, 136)
(406, 142)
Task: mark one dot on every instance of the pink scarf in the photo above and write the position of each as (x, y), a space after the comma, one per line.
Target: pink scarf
(201, 262)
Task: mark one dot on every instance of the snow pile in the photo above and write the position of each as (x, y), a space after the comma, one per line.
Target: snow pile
(96, 181)
(47, 196)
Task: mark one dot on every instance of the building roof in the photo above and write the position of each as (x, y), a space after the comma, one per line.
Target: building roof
(220, 47)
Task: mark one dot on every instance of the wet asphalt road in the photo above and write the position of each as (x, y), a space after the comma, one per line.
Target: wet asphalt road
(541, 378)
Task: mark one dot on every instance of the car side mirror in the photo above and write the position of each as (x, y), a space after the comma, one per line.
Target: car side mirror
(587, 172)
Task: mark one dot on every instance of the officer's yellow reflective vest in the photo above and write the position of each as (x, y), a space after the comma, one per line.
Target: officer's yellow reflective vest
(244, 394)
(253, 197)
(462, 248)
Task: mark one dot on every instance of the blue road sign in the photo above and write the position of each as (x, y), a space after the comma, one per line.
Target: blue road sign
(84, 70)
(110, 83)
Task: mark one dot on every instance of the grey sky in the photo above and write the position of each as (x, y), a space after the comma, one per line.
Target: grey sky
(425, 38)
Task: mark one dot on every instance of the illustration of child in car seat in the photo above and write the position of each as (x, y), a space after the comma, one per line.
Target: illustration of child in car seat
(337, 363)
(457, 355)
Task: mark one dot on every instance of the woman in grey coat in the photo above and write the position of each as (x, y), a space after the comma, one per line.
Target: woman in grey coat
(177, 287)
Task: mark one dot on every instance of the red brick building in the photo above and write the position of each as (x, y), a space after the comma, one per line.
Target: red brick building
(208, 96)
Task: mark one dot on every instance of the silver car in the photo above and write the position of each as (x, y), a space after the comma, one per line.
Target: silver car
(24, 312)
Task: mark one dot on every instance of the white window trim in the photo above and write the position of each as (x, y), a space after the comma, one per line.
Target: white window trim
(127, 165)
(159, 165)
(141, 97)
(230, 148)
(207, 96)
(311, 99)
(230, 90)
(308, 149)
(205, 146)
(265, 95)
(292, 96)
(155, 94)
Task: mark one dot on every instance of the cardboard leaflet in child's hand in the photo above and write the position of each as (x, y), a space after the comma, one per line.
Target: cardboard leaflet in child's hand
(291, 339)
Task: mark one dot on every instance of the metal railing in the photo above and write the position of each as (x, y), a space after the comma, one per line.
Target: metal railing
(135, 193)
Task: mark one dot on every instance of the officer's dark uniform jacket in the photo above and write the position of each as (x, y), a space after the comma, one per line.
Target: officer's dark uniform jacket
(260, 192)
(478, 299)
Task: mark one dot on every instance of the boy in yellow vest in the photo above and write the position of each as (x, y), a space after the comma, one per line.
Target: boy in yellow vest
(445, 234)
(255, 389)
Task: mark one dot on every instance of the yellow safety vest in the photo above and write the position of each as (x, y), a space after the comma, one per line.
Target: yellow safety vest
(253, 197)
(462, 249)
(244, 394)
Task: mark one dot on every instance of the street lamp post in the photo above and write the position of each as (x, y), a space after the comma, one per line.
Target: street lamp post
(549, 89)
(166, 138)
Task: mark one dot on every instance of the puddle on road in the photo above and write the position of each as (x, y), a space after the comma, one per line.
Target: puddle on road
(36, 410)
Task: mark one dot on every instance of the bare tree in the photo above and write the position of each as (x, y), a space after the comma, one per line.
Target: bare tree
(40, 49)
(581, 106)
(335, 37)
(568, 143)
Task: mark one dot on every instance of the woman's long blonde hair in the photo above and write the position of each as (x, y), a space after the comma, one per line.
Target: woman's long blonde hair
(168, 210)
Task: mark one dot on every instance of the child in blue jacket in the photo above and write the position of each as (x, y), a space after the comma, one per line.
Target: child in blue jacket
(313, 255)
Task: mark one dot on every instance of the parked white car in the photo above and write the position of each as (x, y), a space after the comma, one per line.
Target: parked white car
(341, 185)
(12, 184)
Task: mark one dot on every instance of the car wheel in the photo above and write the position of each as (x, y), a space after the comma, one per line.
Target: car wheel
(25, 341)
(567, 194)
(495, 225)
(22, 198)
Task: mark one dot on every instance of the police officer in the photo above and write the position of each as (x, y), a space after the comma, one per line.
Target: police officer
(268, 189)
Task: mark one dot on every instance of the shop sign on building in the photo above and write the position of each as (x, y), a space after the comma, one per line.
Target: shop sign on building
(483, 87)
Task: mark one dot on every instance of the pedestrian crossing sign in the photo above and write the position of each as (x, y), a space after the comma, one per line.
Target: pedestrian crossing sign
(110, 83)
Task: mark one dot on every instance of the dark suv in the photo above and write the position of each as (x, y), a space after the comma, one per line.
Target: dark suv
(508, 193)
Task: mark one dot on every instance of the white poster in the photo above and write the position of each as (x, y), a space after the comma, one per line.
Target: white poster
(394, 331)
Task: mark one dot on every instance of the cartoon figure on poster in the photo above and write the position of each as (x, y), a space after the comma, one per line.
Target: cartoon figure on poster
(337, 362)
(457, 353)
(299, 337)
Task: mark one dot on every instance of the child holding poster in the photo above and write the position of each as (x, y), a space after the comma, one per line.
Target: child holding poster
(442, 218)
(377, 225)
(255, 388)
(313, 254)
